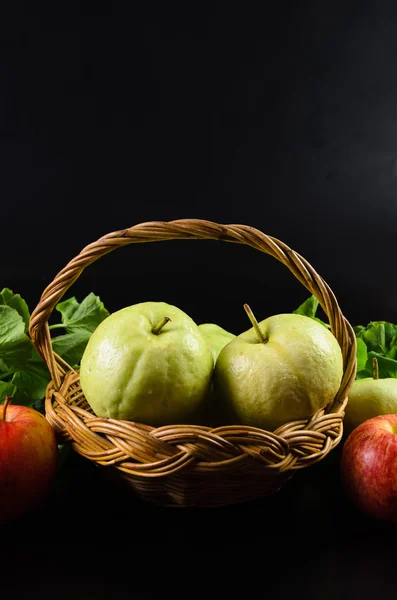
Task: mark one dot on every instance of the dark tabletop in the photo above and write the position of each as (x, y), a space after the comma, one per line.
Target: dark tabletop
(91, 536)
(284, 119)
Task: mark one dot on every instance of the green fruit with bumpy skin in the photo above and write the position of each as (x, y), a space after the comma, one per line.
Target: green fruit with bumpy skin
(369, 398)
(210, 412)
(147, 363)
(285, 368)
(216, 337)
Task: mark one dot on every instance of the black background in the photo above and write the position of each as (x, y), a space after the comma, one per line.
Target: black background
(282, 118)
(113, 114)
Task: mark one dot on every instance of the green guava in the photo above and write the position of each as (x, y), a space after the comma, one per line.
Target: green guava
(370, 398)
(147, 363)
(287, 370)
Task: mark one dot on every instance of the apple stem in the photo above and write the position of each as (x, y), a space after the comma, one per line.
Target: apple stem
(157, 328)
(255, 324)
(7, 401)
(375, 368)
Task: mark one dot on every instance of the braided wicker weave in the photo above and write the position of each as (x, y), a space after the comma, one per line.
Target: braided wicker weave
(190, 465)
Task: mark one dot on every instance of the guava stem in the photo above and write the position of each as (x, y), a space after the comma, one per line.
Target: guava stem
(375, 368)
(255, 324)
(5, 405)
(157, 328)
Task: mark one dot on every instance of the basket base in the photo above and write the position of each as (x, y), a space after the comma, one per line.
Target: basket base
(194, 491)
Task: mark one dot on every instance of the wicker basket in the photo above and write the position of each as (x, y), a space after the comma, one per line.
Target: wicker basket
(190, 465)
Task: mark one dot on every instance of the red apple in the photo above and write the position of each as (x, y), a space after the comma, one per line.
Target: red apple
(369, 467)
(28, 459)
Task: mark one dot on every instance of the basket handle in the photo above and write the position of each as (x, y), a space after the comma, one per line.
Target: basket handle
(155, 231)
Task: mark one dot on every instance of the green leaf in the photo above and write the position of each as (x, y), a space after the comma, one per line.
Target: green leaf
(378, 336)
(21, 398)
(359, 329)
(24, 373)
(308, 308)
(67, 308)
(39, 405)
(387, 366)
(363, 374)
(8, 298)
(390, 332)
(372, 339)
(15, 345)
(71, 346)
(362, 354)
(380, 340)
(85, 316)
(392, 353)
(33, 378)
(11, 325)
(6, 389)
